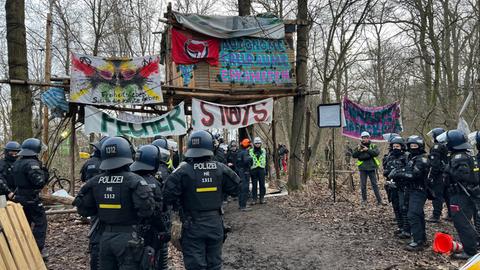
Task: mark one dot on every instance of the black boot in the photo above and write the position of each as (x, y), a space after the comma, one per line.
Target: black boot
(415, 246)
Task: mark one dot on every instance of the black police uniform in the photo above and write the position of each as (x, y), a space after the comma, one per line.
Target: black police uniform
(438, 158)
(414, 175)
(463, 180)
(199, 184)
(30, 178)
(395, 160)
(121, 200)
(90, 168)
(6, 171)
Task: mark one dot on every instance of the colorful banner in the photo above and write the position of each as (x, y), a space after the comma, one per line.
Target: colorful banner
(95, 80)
(171, 123)
(189, 49)
(206, 115)
(375, 120)
(252, 61)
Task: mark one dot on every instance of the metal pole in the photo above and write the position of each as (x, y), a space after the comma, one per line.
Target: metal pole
(333, 166)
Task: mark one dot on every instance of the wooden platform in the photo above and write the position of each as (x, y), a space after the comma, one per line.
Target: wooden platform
(18, 249)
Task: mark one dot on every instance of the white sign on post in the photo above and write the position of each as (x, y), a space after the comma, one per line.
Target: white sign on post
(329, 115)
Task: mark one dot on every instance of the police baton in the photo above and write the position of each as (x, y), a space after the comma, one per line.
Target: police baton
(94, 226)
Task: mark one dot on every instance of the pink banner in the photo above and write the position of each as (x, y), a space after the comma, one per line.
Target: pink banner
(375, 120)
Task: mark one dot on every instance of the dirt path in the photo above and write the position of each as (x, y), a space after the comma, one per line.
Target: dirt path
(266, 239)
(300, 231)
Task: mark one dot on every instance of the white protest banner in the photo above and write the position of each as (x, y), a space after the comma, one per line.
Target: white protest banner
(171, 123)
(98, 80)
(206, 115)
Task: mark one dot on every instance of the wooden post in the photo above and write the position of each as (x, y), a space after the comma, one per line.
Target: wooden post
(72, 150)
(48, 71)
(275, 149)
(306, 150)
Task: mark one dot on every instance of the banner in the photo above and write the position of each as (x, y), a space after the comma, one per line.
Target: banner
(375, 120)
(206, 115)
(189, 49)
(171, 123)
(95, 80)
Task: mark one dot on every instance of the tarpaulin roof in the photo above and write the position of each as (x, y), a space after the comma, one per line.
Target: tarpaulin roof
(224, 27)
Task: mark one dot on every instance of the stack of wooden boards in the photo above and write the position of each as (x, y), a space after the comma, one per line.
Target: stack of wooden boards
(18, 249)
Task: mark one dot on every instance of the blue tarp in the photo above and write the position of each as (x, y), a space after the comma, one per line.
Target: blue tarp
(55, 100)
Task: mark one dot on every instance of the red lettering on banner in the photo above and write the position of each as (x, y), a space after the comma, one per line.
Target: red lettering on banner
(222, 113)
(260, 111)
(245, 115)
(210, 118)
(234, 116)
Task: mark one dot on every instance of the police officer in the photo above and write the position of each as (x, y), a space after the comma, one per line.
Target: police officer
(395, 159)
(147, 162)
(162, 143)
(30, 178)
(438, 158)
(244, 162)
(91, 167)
(414, 175)
(6, 164)
(258, 170)
(120, 199)
(199, 184)
(462, 180)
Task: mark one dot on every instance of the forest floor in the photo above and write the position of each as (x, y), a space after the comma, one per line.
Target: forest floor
(305, 230)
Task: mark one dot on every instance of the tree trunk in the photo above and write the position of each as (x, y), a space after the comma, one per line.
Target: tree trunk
(244, 7)
(294, 178)
(18, 69)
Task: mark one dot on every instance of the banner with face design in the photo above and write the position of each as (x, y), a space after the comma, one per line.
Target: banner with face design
(190, 49)
(97, 80)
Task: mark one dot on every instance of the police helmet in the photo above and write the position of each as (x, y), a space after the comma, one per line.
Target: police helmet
(456, 140)
(161, 143)
(116, 152)
(164, 155)
(147, 158)
(389, 136)
(415, 139)
(200, 144)
(97, 147)
(397, 140)
(435, 132)
(12, 146)
(30, 147)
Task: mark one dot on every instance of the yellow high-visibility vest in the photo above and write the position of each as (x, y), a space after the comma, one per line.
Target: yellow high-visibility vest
(377, 161)
(258, 162)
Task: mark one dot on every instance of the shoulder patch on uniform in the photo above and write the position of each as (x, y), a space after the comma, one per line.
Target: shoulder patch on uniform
(91, 166)
(435, 146)
(458, 156)
(424, 160)
(35, 167)
(143, 183)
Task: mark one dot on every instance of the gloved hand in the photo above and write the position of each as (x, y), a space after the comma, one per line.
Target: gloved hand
(391, 184)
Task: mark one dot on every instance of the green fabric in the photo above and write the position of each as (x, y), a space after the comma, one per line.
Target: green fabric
(256, 161)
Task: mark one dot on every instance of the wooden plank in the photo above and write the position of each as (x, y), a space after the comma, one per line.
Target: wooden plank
(27, 231)
(5, 254)
(22, 241)
(2, 263)
(12, 240)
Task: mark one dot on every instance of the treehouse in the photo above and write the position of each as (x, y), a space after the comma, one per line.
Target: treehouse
(227, 59)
